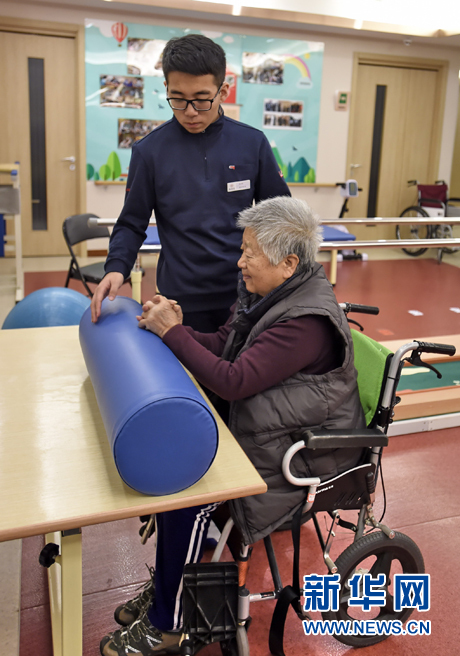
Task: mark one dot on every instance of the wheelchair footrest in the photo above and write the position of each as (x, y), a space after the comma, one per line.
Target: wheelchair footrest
(210, 602)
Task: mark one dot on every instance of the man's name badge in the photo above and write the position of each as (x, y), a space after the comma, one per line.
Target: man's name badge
(239, 185)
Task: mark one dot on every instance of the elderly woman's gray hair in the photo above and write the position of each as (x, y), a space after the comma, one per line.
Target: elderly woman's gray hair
(284, 225)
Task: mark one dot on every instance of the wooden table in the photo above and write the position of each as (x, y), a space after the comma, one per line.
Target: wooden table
(57, 473)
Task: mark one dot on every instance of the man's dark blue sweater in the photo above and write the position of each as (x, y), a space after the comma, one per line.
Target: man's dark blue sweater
(196, 184)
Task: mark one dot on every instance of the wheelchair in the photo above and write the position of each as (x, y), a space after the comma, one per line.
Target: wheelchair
(216, 600)
(433, 201)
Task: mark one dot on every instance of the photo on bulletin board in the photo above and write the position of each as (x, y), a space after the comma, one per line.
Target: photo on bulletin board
(144, 56)
(131, 130)
(121, 91)
(283, 114)
(260, 68)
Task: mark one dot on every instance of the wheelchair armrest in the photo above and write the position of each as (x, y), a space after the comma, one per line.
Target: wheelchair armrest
(340, 439)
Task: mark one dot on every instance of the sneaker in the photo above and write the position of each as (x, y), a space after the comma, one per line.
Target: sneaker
(129, 612)
(141, 637)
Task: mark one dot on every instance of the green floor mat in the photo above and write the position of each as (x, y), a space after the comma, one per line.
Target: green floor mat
(419, 378)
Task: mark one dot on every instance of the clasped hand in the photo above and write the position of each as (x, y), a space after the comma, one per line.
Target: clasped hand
(159, 315)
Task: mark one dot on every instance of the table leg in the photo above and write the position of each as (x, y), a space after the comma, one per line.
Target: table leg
(71, 587)
(65, 587)
(54, 586)
(333, 271)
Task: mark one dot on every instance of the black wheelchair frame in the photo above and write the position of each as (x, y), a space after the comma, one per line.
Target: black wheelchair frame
(216, 600)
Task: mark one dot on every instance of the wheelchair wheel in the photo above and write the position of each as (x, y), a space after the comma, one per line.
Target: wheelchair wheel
(444, 231)
(238, 646)
(413, 230)
(375, 553)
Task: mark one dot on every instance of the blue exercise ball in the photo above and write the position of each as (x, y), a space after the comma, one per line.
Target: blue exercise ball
(50, 306)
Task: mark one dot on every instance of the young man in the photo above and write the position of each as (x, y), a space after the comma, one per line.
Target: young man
(195, 172)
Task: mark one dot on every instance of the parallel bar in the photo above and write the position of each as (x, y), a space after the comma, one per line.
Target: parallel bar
(136, 280)
(432, 220)
(339, 245)
(93, 222)
(389, 243)
(383, 243)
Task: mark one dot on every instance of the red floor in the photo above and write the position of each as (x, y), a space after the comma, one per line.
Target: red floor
(419, 473)
(395, 286)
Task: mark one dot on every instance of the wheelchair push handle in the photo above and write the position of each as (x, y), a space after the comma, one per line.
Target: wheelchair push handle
(363, 309)
(442, 349)
(418, 348)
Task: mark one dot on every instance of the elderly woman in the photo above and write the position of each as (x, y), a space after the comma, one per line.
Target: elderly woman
(284, 360)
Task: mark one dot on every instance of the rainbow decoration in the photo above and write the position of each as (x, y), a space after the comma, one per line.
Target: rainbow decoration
(301, 65)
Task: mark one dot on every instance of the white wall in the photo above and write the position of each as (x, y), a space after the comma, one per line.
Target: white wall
(105, 201)
(337, 75)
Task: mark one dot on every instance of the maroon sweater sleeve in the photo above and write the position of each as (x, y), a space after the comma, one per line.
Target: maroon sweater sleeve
(307, 343)
(213, 342)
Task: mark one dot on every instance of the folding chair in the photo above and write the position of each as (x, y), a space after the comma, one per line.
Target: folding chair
(75, 229)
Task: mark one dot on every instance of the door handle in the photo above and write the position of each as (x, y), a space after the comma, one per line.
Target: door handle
(72, 159)
(353, 167)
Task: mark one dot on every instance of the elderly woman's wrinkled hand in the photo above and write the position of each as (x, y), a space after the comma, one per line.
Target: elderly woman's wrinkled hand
(159, 315)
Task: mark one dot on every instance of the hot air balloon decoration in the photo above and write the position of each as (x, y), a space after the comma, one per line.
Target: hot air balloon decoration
(119, 31)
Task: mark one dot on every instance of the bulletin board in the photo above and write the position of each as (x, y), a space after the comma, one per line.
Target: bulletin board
(275, 86)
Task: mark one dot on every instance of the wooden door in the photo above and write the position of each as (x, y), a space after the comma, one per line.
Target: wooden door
(454, 188)
(409, 106)
(39, 129)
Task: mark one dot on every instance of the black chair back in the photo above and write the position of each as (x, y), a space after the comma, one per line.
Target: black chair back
(76, 229)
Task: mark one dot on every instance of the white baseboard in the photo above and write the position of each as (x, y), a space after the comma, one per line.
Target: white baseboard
(421, 424)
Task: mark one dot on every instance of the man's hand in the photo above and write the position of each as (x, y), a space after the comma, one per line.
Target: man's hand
(159, 315)
(108, 286)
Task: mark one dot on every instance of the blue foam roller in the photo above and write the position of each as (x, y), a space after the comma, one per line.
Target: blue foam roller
(163, 435)
(50, 306)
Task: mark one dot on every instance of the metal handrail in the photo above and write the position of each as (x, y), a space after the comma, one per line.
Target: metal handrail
(339, 245)
(432, 220)
(380, 243)
(390, 243)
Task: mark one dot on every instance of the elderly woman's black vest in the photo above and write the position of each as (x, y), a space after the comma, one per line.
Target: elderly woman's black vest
(263, 423)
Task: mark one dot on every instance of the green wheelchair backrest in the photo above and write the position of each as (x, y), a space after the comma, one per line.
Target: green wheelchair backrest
(370, 362)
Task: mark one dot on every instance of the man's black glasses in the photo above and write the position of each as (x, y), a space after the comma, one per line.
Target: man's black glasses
(197, 104)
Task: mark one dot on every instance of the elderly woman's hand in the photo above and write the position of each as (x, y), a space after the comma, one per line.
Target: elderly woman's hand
(159, 315)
